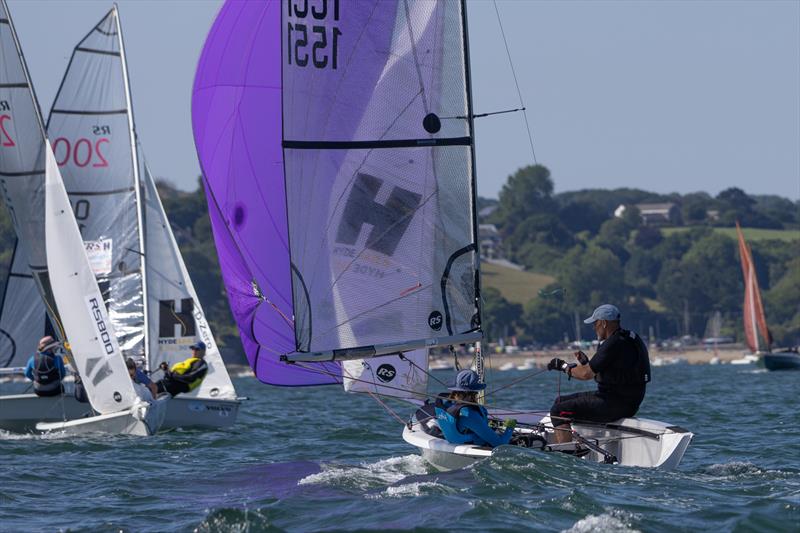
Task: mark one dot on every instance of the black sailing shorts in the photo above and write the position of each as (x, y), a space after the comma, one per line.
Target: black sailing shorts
(591, 407)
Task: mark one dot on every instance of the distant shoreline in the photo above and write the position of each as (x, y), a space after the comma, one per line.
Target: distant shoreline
(540, 358)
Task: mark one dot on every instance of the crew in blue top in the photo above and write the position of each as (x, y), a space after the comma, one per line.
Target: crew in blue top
(462, 420)
(46, 368)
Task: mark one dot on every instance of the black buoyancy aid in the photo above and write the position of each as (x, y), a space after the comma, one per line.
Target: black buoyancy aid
(46, 377)
(637, 373)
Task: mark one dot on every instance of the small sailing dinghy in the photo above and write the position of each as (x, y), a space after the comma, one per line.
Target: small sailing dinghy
(151, 298)
(35, 195)
(336, 143)
(756, 332)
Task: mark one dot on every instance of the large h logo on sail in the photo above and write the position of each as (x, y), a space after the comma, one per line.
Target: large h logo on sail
(169, 318)
(389, 221)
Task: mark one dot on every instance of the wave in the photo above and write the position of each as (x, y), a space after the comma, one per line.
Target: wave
(410, 490)
(368, 475)
(613, 521)
(52, 435)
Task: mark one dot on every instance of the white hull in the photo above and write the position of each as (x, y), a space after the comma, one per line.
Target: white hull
(185, 412)
(649, 444)
(20, 413)
(142, 419)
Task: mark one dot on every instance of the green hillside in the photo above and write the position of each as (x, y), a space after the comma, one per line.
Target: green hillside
(516, 286)
(751, 234)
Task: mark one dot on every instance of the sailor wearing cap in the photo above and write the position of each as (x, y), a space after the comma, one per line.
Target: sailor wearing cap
(464, 421)
(621, 367)
(187, 375)
(46, 368)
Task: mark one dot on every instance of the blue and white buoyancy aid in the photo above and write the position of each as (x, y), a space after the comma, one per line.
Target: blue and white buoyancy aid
(447, 415)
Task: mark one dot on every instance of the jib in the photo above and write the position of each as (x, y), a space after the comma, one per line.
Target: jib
(101, 326)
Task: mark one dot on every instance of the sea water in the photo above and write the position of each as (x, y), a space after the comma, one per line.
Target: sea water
(314, 459)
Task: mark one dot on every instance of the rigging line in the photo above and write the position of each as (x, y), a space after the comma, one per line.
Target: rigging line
(375, 395)
(426, 372)
(505, 410)
(482, 115)
(518, 380)
(516, 82)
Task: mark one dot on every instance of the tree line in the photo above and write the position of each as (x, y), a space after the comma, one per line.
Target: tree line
(668, 283)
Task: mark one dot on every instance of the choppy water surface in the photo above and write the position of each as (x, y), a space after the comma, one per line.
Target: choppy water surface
(318, 459)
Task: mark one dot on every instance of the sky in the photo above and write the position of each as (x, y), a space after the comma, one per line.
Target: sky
(667, 96)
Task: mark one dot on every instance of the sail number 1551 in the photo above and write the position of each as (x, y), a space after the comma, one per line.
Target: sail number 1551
(313, 43)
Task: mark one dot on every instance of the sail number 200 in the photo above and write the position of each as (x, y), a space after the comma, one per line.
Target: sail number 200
(323, 40)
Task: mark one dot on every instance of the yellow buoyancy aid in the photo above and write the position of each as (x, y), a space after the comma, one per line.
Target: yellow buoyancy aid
(187, 372)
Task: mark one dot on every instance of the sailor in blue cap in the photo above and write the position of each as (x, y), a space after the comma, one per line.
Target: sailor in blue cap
(187, 375)
(463, 420)
(621, 367)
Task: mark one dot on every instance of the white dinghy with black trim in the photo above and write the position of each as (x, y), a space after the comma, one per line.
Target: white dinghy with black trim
(633, 441)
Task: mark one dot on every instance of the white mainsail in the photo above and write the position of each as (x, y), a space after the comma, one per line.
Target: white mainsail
(122, 219)
(91, 130)
(176, 317)
(89, 331)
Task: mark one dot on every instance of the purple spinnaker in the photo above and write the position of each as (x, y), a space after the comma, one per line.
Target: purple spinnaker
(336, 144)
(236, 115)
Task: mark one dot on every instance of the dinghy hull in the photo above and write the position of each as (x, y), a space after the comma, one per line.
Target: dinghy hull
(782, 361)
(633, 441)
(213, 413)
(142, 419)
(20, 413)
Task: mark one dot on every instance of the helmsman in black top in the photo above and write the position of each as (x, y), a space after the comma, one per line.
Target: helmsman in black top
(621, 367)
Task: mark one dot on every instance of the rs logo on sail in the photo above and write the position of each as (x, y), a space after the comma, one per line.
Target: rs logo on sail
(100, 323)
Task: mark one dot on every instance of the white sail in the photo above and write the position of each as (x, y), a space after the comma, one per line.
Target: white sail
(88, 329)
(176, 317)
(389, 375)
(91, 130)
(23, 319)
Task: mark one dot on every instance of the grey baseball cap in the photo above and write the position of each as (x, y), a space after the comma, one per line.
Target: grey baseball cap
(604, 312)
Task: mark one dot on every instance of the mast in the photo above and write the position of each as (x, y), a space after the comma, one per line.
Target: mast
(137, 184)
(474, 188)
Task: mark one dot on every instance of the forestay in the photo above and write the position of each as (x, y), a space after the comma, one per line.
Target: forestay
(336, 145)
(22, 188)
(91, 128)
(176, 317)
